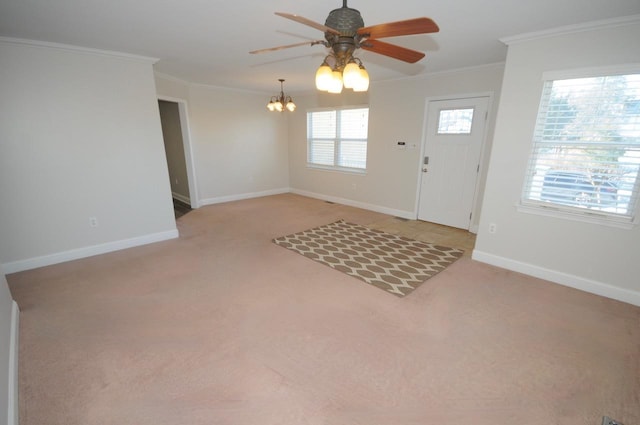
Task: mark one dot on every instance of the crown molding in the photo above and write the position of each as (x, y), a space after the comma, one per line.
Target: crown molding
(572, 29)
(168, 77)
(77, 49)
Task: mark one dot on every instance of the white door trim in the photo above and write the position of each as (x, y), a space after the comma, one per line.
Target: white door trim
(188, 148)
(483, 151)
(12, 402)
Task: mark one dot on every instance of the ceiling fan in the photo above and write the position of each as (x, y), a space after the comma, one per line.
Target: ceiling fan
(344, 33)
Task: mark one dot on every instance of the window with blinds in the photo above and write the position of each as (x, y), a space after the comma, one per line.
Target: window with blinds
(337, 138)
(586, 148)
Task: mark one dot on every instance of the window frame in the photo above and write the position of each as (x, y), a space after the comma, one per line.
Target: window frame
(540, 207)
(337, 141)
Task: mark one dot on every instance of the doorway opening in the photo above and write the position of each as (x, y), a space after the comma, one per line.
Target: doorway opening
(177, 143)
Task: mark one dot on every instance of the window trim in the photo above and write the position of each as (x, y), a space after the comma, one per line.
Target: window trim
(587, 216)
(532, 206)
(335, 168)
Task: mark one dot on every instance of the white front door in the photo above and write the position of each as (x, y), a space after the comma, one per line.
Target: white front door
(452, 146)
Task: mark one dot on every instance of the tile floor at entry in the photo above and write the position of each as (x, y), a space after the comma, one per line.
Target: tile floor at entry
(428, 232)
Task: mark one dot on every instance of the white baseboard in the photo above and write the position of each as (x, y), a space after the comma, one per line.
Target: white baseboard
(410, 215)
(12, 405)
(577, 282)
(181, 198)
(89, 251)
(377, 208)
(242, 196)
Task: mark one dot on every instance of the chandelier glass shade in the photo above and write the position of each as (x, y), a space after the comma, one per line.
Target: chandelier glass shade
(281, 102)
(353, 76)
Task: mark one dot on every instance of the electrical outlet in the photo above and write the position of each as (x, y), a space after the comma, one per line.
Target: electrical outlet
(93, 221)
(492, 227)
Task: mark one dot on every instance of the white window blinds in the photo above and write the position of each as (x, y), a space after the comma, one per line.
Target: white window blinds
(338, 138)
(586, 147)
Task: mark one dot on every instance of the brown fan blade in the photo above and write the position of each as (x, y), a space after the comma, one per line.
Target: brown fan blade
(273, 49)
(308, 22)
(394, 29)
(391, 50)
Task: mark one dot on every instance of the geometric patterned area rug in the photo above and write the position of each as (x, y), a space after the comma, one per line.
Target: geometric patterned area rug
(390, 262)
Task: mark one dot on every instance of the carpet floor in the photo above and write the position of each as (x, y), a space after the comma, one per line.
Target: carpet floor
(221, 326)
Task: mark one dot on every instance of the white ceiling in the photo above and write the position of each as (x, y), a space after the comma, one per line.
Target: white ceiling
(208, 41)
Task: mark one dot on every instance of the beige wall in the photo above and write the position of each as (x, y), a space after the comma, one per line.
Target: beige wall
(174, 149)
(240, 148)
(588, 256)
(171, 87)
(80, 137)
(397, 113)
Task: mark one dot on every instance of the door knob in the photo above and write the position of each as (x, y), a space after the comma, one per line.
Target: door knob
(424, 170)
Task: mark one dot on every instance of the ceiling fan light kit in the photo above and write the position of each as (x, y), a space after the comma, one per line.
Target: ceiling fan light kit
(353, 76)
(344, 33)
(281, 102)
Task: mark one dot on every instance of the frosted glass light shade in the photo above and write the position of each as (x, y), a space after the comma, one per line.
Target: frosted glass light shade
(323, 77)
(351, 75)
(291, 106)
(336, 82)
(278, 106)
(362, 84)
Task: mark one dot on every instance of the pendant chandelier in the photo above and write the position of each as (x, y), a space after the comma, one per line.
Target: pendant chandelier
(348, 73)
(279, 102)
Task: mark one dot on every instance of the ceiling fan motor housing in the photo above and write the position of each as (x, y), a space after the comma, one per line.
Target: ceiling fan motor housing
(347, 21)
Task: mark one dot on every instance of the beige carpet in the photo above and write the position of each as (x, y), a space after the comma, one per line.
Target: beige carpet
(392, 263)
(222, 326)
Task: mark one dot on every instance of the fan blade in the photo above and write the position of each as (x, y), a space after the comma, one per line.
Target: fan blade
(273, 49)
(391, 50)
(394, 29)
(308, 22)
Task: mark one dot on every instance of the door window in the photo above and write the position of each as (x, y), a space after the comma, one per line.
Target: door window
(455, 121)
